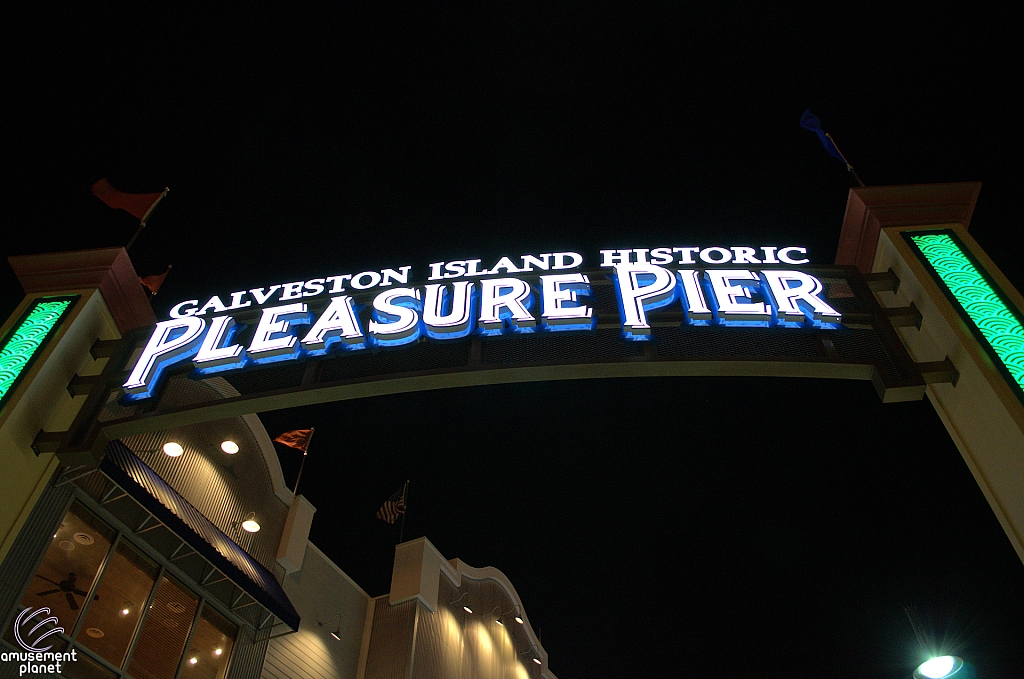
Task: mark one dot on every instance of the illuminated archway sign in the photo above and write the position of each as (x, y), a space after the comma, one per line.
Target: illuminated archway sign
(546, 293)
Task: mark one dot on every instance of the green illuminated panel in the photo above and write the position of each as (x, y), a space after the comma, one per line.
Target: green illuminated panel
(22, 346)
(996, 322)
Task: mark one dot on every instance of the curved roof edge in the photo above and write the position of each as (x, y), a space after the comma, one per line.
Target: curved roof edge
(464, 570)
(418, 566)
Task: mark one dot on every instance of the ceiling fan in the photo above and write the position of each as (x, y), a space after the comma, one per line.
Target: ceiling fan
(68, 587)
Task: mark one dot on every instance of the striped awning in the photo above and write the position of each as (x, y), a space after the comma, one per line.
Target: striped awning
(144, 485)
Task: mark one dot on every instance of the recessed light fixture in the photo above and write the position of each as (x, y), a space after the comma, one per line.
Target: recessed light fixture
(467, 609)
(519, 620)
(218, 651)
(127, 609)
(172, 449)
(229, 447)
(193, 660)
(250, 524)
(94, 632)
(536, 660)
(498, 620)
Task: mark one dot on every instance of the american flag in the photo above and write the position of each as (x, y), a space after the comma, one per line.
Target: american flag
(393, 506)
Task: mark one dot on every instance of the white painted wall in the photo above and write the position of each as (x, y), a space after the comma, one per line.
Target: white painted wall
(319, 592)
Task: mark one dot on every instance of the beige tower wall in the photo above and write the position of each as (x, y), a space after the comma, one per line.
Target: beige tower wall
(982, 414)
(111, 301)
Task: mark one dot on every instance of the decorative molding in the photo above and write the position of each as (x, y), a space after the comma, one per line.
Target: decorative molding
(108, 270)
(869, 209)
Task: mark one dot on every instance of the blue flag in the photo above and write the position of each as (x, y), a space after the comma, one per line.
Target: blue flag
(809, 121)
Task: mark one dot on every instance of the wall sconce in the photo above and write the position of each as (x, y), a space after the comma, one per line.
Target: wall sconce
(536, 658)
(464, 607)
(336, 633)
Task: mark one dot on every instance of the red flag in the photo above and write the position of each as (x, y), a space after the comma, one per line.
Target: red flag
(298, 438)
(138, 205)
(153, 283)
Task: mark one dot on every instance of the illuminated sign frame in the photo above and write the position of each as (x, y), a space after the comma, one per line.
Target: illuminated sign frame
(543, 293)
(27, 338)
(996, 324)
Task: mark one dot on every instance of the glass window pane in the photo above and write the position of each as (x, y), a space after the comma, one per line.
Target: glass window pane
(84, 667)
(164, 632)
(211, 647)
(112, 618)
(69, 567)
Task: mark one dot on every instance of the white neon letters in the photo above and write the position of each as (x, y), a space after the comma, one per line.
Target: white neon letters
(560, 305)
(642, 288)
(505, 300)
(729, 296)
(212, 356)
(695, 304)
(453, 309)
(458, 321)
(396, 318)
(274, 339)
(793, 289)
(338, 324)
(171, 342)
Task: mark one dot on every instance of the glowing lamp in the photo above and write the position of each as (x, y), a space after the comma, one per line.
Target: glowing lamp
(218, 651)
(939, 668)
(536, 660)
(229, 447)
(467, 609)
(519, 620)
(193, 660)
(172, 449)
(250, 523)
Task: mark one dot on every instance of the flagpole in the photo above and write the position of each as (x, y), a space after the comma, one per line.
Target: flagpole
(142, 222)
(849, 167)
(312, 430)
(405, 494)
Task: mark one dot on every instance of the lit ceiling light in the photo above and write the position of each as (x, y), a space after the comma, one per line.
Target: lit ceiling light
(467, 609)
(218, 651)
(193, 660)
(335, 633)
(519, 620)
(172, 449)
(499, 621)
(536, 660)
(127, 609)
(939, 668)
(229, 447)
(250, 524)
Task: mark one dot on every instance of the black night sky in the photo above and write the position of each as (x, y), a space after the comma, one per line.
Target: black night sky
(740, 527)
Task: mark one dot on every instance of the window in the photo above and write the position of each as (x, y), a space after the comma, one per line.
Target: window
(69, 568)
(110, 624)
(211, 645)
(164, 633)
(125, 613)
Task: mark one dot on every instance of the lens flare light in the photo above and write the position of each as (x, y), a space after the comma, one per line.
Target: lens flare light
(939, 667)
